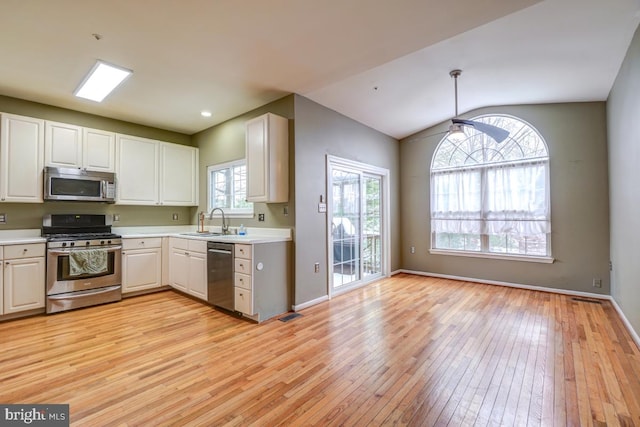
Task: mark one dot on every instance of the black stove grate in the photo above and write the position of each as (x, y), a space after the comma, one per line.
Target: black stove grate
(59, 227)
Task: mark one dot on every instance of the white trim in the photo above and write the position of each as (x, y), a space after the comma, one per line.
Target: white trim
(362, 168)
(626, 322)
(248, 212)
(510, 257)
(509, 284)
(308, 304)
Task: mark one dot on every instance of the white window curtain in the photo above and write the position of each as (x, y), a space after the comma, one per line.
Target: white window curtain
(517, 200)
(456, 203)
(497, 199)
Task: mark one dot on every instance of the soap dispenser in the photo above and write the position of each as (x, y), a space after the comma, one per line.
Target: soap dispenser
(242, 231)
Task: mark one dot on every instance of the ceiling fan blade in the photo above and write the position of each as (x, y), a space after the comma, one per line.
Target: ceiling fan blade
(494, 132)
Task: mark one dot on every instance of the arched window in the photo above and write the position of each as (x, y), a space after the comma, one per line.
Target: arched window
(491, 198)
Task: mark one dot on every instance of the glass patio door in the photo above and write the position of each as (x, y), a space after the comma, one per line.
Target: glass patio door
(355, 226)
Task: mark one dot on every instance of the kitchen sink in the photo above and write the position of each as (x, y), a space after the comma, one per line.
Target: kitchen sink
(205, 234)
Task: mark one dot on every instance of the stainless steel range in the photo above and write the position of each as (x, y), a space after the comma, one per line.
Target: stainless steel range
(83, 261)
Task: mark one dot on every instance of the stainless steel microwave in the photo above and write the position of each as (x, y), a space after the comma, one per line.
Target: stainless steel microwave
(79, 185)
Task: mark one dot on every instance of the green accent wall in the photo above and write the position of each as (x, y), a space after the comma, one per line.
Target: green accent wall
(225, 143)
(29, 215)
(49, 112)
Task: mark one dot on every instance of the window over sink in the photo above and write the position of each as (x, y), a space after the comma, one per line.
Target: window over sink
(227, 188)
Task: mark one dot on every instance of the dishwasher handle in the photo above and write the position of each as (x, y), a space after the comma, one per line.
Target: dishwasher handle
(220, 251)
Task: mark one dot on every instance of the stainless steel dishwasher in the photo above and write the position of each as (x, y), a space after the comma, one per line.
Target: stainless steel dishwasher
(220, 275)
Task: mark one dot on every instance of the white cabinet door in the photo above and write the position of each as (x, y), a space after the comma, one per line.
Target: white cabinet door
(267, 151)
(23, 284)
(243, 301)
(62, 145)
(179, 170)
(198, 275)
(141, 269)
(98, 150)
(179, 269)
(256, 152)
(137, 171)
(21, 159)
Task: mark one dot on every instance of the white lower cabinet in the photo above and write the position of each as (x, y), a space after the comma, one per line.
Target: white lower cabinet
(261, 279)
(141, 264)
(188, 266)
(22, 278)
(243, 301)
(242, 279)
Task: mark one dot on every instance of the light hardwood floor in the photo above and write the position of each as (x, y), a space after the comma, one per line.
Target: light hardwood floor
(407, 350)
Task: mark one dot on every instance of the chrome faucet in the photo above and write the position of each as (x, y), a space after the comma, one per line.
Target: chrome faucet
(225, 226)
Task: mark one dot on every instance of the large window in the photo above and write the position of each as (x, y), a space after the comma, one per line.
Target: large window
(227, 184)
(489, 198)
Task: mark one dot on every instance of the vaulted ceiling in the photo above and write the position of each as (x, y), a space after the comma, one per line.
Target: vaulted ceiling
(385, 64)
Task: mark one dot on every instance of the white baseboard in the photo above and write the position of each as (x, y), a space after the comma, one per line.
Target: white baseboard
(626, 322)
(310, 303)
(510, 285)
(624, 319)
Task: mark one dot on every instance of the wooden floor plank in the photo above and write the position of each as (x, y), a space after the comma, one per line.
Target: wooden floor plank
(407, 350)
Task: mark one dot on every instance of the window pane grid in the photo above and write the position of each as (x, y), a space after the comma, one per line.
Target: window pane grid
(228, 188)
(490, 197)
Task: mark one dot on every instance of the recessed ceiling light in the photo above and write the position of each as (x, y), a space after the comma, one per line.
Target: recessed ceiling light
(205, 113)
(101, 80)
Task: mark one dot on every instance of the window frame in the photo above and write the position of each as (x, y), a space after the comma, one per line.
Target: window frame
(483, 168)
(230, 212)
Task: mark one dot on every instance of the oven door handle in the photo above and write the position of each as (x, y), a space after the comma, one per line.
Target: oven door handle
(68, 251)
(80, 294)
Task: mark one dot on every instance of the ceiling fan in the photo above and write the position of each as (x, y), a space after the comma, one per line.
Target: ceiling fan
(455, 128)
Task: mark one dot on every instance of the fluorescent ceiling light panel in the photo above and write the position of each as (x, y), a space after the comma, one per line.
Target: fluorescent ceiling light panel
(101, 80)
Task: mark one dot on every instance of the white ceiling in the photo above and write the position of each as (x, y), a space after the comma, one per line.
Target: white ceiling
(385, 64)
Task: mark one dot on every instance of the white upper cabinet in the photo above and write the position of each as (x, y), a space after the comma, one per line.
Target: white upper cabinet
(98, 150)
(137, 171)
(62, 145)
(179, 173)
(267, 151)
(21, 159)
(71, 146)
(151, 172)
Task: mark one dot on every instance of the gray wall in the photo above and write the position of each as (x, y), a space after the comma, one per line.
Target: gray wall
(576, 136)
(29, 215)
(623, 112)
(320, 131)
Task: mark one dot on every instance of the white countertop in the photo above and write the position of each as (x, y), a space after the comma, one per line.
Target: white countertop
(253, 236)
(19, 237)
